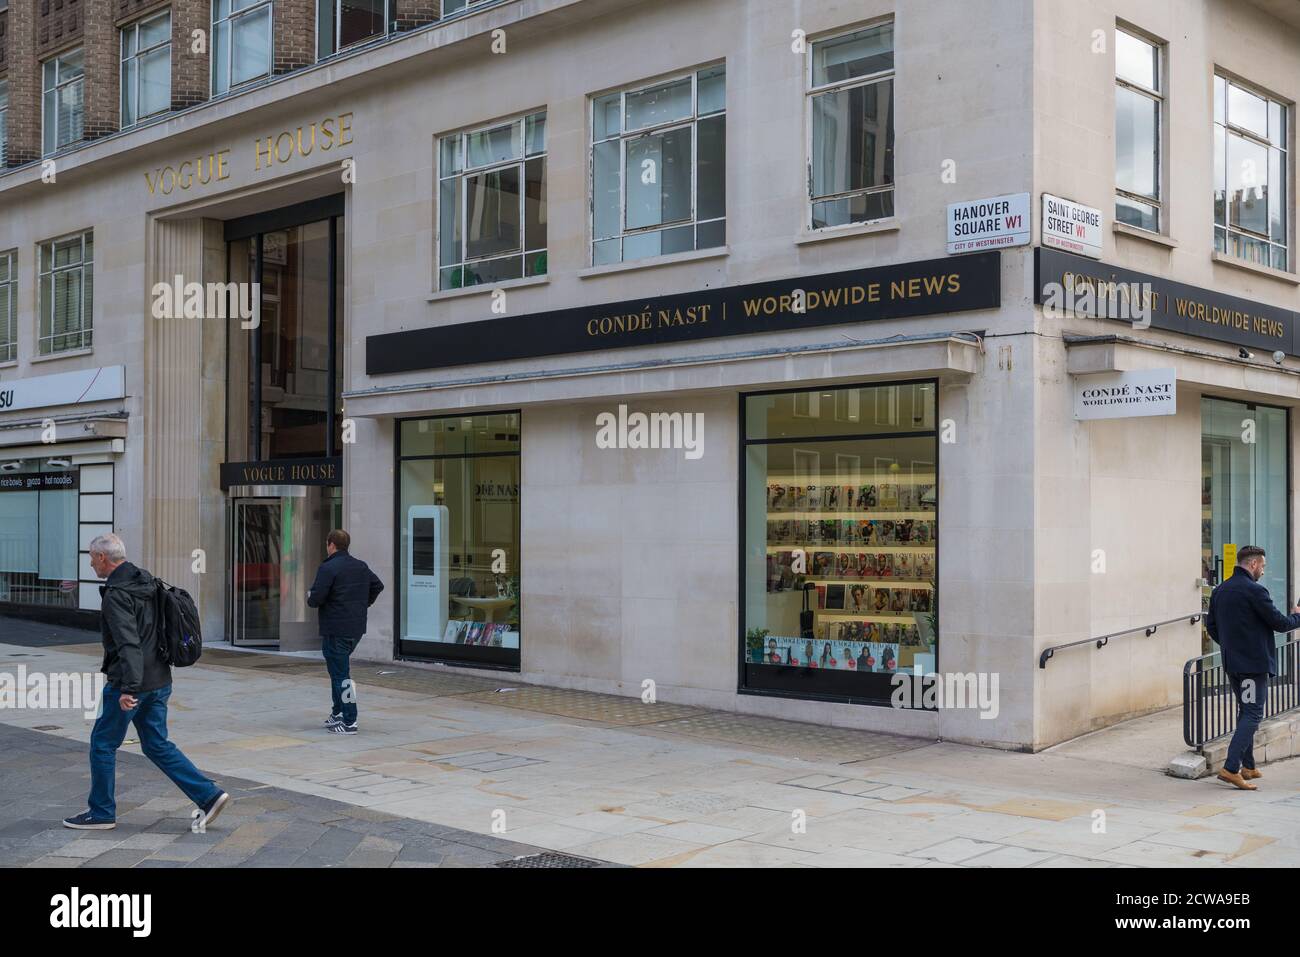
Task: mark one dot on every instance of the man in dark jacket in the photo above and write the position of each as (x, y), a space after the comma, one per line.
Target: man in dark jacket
(1242, 620)
(344, 588)
(138, 684)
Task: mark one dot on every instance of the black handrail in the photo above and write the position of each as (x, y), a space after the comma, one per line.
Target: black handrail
(1105, 639)
(1210, 707)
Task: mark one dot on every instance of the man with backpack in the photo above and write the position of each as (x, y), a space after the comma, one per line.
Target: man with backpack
(344, 588)
(139, 682)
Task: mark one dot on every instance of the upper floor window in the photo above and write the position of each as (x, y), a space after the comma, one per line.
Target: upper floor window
(146, 68)
(1139, 103)
(456, 6)
(9, 306)
(241, 42)
(341, 23)
(66, 288)
(492, 203)
(4, 120)
(1250, 172)
(851, 127)
(64, 114)
(658, 168)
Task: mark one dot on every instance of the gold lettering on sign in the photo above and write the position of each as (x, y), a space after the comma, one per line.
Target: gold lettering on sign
(324, 134)
(203, 169)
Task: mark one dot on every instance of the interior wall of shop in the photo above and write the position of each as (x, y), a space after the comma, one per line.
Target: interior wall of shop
(1130, 488)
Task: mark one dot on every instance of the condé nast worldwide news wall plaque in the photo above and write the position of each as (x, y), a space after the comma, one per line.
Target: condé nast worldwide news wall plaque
(897, 291)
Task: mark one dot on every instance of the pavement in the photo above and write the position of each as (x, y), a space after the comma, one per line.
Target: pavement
(528, 768)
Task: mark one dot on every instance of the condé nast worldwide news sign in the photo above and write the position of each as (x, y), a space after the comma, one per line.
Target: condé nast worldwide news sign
(896, 291)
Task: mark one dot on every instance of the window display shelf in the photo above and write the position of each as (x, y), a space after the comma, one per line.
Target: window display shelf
(906, 618)
(843, 513)
(860, 547)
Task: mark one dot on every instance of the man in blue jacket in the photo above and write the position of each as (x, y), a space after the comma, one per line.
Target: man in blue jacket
(344, 588)
(1241, 620)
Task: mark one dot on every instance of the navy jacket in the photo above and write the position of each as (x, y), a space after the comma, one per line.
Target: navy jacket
(344, 588)
(1242, 619)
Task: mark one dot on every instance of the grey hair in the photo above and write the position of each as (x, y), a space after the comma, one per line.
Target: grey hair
(110, 546)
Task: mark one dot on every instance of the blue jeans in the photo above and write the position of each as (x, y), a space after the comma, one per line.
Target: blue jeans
(1249, 715)
(150, 717)
(337, 652)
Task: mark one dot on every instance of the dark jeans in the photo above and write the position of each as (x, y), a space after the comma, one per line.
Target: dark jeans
(150, 717)
(1249, 715)
(337, 651)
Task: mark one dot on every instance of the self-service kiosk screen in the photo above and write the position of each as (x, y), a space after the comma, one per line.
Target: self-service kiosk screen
(423, 547)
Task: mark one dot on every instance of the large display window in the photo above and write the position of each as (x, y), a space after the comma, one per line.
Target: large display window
(458, 538)
(839, 539)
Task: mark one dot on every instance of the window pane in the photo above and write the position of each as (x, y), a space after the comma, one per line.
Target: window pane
(129, 35)
(1136, 61)
(492, 146)
(221, 57)
(1141, 215)
(605, 116)
(1276, 197)
(486, 271)
(657, 175)
(492, 213)
(605, 190)
(360, 19)
(155, 31)
(853, 139)
(535, 134)
(71, 65)
(858, 54)
(1248, 111)
(1137, 157)
(129, 113)
(664, 242)
(449, 221)
(1277, 124)
(1220, 100)
(711, 178)
(250, 54)
(58, 535)
(71, 113)
(711, 91)
(155, 81)
(659, 104)
(606, 251)
(711, 235)
(853, 209)
(1220, 175)
(535, 204)
(450, 155)
(1247, 184)
(1249, 248)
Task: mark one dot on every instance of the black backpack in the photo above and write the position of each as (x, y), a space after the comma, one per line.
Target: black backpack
(180, 636)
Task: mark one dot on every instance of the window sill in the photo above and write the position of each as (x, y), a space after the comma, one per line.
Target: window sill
(10, 364)
(695, 255)
(482, 289)
(890, 225)
(1269, 271)
(1159, 239)
(70, 354)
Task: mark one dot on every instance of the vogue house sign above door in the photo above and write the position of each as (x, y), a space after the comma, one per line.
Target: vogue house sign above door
(860, 295)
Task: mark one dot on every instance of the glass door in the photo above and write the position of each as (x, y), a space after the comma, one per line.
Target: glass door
(255, 582)
(1244, 483)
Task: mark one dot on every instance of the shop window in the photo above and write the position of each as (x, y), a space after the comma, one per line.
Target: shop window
(39, 533)
(841, 496)
(658, 168)
(342, 23)
(241, 42)
(1250, 174)
(851, 107)
(64, 113)
(66, 293)
(1139, 111)
(146, 68)
(492, 203)
(458, 538)
(9, 306)
(4, 122)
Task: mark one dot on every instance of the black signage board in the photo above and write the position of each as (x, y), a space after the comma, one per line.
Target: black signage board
(283, 472)
(951, 284)
(40, 481)
(1174, 306)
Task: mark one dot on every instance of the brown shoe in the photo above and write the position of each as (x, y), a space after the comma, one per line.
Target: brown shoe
(1235, 779)
(1251, 773)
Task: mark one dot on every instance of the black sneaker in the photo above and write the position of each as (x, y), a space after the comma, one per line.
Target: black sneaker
(86, 822)
(333, 720)
(341, 728)
(212, 809)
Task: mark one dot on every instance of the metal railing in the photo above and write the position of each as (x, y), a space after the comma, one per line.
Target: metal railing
(1209, 706)
(1104, 640)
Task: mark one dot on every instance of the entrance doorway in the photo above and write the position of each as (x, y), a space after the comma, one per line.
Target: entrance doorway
(255, 580)
(1244, 491)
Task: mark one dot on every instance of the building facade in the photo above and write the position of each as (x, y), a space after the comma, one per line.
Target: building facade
(747, 352)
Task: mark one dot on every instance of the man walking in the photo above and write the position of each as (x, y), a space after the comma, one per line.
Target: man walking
(1242, 619)
(138, 685)
(344, 588)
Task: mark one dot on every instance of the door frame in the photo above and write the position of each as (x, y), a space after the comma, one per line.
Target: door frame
(234, 502)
